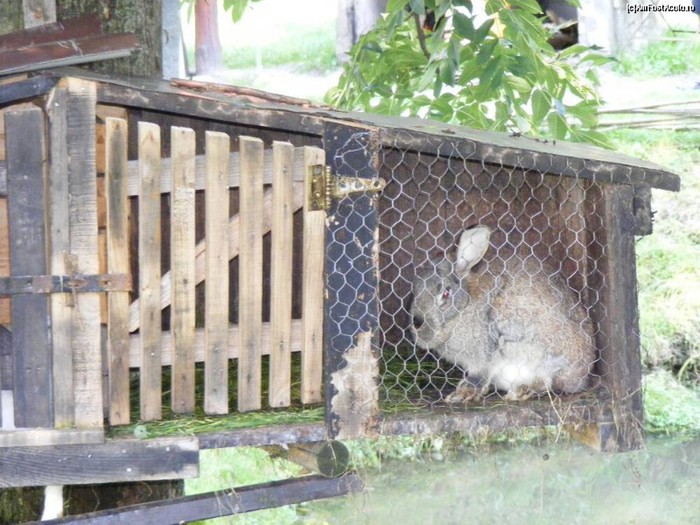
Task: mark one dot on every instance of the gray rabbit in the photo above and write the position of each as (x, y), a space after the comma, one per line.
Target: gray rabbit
(520, 330)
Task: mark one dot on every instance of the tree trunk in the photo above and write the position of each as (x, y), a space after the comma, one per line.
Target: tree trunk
(10, 16)
(142, 17)
(355, 17)
(208, 57)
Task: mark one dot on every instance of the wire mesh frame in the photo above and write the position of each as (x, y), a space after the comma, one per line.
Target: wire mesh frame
(569, 232)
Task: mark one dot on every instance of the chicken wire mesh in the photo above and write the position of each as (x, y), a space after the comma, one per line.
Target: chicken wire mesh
(490, 277)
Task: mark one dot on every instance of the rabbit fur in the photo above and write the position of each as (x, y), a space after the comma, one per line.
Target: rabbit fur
(522, 331)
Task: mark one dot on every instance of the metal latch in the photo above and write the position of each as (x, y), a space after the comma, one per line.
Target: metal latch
(325, 187)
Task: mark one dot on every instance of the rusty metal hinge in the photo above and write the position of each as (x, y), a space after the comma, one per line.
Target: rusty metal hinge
(324, 187)
(30, 284)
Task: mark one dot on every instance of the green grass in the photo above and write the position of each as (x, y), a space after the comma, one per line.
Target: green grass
(310, 51)
(669, 406)
(662, 58)
(668, 261)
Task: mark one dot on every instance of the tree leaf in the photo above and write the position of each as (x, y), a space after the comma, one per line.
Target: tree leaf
(464, 26)
(541, 104)
(417, 6)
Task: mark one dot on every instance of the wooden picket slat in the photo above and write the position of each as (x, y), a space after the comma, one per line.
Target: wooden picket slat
(281, 274)
(149, 269)
(116, 143)
(312, 291)
(250, 274)
(26, 197)
(217, 281)
(85, 329)
(59, 242)
(182, 235)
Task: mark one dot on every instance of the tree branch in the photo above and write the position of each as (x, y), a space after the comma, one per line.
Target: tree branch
(421, 36)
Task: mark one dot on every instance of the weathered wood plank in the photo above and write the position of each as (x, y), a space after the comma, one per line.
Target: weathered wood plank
(217, 279)
(116, 142)
(250, 274)
(312, 289)
(59, 242)
(149, 269)
(110, 462)
(200, 250)
(238, 500)
(26, 202)
(87, 359)
(182, 255)
(40, 437)
(620, 352)
(281, 275)
(199, 345)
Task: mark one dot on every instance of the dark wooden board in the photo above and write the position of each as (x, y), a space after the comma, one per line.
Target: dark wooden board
(24, 90)
(26, 200)
(114, 461)
(351, 288)
(62, 30)
(237, 500)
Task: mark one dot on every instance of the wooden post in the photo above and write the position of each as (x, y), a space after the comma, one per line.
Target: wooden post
(351, 321)
(250, 274)
(149, 270)
(617, 318)
(281, 275)
(329, 458)
(26, 160)
(216, 298)
(116, 140)
(313, 285)
(182, 256)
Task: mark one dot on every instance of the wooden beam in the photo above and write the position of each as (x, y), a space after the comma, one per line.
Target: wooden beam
(237, 500)
(39, 437)
(31, 348)
(110, 462)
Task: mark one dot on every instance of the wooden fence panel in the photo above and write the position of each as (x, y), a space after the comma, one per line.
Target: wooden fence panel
(182, 256)
(281, 275)
(250, 274)
(30, 334)
(149, 270)
(312, 290)
(116, 141)
(217, 283)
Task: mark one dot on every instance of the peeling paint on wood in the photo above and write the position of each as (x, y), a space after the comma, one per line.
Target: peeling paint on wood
(357, 402)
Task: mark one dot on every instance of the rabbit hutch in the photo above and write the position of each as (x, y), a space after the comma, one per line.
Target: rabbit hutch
(185, 248)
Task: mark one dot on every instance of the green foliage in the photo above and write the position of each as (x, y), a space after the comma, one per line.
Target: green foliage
(497, 72)
(662, 58)
(669, 406)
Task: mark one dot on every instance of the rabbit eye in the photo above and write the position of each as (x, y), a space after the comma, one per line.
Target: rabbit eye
(446, 293)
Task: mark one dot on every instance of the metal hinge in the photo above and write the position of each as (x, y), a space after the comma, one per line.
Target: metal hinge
(30, 284)
(325, 187)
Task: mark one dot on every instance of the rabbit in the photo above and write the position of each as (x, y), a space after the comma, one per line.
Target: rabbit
(521, 331)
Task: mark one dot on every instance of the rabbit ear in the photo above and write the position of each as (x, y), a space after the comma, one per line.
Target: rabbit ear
(471, 248)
